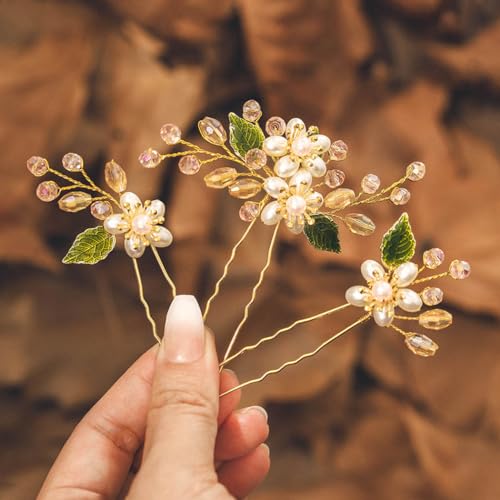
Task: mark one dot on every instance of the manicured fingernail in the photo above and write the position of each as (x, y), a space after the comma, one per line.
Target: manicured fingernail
(257, 409)
(184, 338)
(266, 449)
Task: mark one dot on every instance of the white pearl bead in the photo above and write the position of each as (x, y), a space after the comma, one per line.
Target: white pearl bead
(302, 180)
(357, 296)
(317, 167)
(302, 146)
(295, 205)
(270, 214)
(141, 224)
(409, 300)
(314, 200)
(405, 274)
(295, 127)
(156, 208)
(275, 145)
(134, 246)
(286, 167)
(274, 186)
(372, 270)
(381, 291)
(130, 202)
(321, 143)
(116, 224)
(160, 237)
(383, 315)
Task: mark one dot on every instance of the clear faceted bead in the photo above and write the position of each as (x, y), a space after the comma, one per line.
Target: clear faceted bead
(245, 188)
(249, 211)
(37, 165)
(435, 319)
(256, 159)
(421, 345)
(432, 296)
(115, 177)
(338, 151)
(150, 158)
(359, 224)
(189, 165)
(400, 196)
(72, 162)
(212, 131)
(415, 171)
(75, 201)
(459, 269)
(170, 133)
(48, 191)
(433, 258)
(252, 111)
(340, 198)
(370, 183)
(334, 178)
(220, 177)
(101, 209)
(275, 126)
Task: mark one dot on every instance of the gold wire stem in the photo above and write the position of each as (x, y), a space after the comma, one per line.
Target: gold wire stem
(180, 153)
(226, 269)
(283, 330)
(143, 300)
(230, 156)
(429, 278)
(399, 330)
(254, 293)
(407, 318)
(378, 196)
(167, 277)
(96, 188)
(300, 358)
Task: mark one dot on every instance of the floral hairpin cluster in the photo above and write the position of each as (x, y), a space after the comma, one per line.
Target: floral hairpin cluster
(283, 176)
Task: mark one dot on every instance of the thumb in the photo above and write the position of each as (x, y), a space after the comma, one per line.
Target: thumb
(182, 421)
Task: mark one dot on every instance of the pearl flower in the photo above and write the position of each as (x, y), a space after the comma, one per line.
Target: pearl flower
(385, 291)
(140, 224)
(298, 150)
(295, 201)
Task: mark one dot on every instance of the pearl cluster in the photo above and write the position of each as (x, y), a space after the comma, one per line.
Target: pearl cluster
(141, 224)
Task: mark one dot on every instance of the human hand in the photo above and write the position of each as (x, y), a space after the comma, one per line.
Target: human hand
(160, 433)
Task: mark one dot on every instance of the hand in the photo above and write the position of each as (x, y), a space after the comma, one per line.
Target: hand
(160, 433)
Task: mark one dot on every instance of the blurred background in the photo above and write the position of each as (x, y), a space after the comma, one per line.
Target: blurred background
(398, 80)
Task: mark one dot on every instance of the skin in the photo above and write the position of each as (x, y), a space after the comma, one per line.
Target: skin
(161, 432)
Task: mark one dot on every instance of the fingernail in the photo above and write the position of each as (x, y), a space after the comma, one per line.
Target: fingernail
(266, 448)
(184, 338)
(257, 409)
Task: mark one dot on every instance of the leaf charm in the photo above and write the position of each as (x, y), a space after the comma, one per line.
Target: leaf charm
(90, 247)
(398, 244)
(323, 234)
(244, 135)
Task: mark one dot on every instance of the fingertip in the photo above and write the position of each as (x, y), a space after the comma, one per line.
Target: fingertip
(227, 404)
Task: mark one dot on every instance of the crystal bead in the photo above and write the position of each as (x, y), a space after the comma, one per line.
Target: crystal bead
(189, 165)
(255, 159)
(334, 178)
(415, 171)
(400, 196)
(72, 162)
(275, 126)
(433, 258)
(150, 158)
(370, 183)
(37, 165)
(338, 151)
(115, 177)
(251, 110)
(75, 201)
(220, 177)
(170, 133)
(340, 198)
(245, 188)
(459, 269)
(432, 296)
(249, 211)
(48, 191)
(359, 224)
(435, 319)
(421, 345)
(101, 209)
(212, 131)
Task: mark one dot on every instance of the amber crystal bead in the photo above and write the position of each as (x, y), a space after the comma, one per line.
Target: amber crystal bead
(115, 176)
(220, 177)
(245, 188)
(421, 345)
(75, 201)
(435, 319)
(340, 198)
(212, 131)
(359, 224)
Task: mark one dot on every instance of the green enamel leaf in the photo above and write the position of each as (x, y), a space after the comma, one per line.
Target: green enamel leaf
(323, 234)
(90, 247)
(244, 135)
(398, 244)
